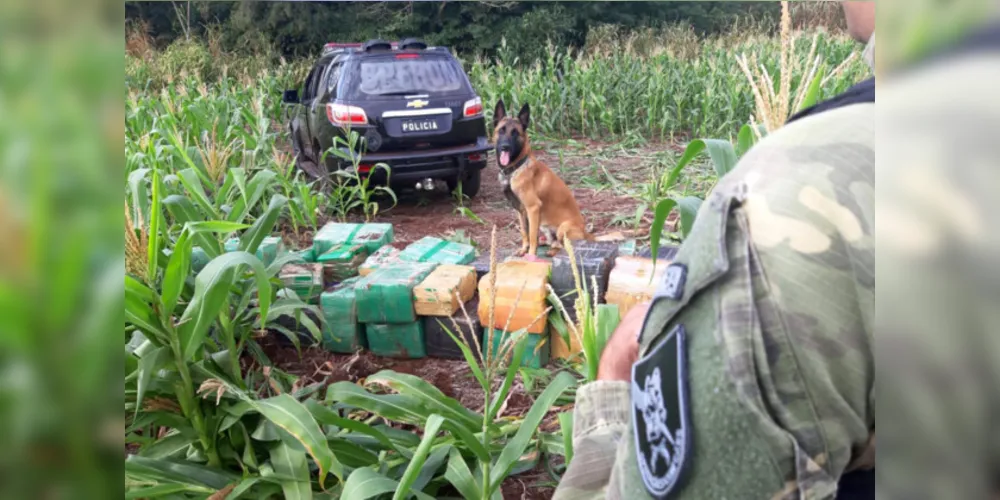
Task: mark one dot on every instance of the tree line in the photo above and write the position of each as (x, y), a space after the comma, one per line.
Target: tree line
(296, 29)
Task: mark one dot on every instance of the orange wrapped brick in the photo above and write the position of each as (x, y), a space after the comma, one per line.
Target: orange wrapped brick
(511, 276)
(436, 295)
(630, 283)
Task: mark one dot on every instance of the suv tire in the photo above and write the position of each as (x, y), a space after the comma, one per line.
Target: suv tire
(470, 185)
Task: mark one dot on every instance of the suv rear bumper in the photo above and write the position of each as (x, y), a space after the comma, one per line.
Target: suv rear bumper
(439, 163)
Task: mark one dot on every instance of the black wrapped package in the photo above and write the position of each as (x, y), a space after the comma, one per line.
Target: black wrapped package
(665, 252)
(440, 344)
(593, 259)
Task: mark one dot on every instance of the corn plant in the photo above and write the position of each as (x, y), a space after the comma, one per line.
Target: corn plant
(188, 333)
(354, 185)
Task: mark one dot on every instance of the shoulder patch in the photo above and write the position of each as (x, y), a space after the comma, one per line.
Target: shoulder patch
(660, 414)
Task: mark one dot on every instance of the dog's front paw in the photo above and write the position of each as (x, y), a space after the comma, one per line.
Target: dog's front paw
(522, 251)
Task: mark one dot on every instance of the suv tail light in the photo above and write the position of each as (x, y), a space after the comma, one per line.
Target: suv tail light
(342, 115)
(473, 107)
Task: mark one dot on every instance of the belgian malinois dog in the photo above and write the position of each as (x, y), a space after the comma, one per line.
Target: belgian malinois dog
(542, 200)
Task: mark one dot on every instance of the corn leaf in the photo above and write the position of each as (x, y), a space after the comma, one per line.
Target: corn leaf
(566, 425)
(196, 190)
(292, 417)
(257, 188)
(607, 318)
(430, 469)
(291, 469)
(264, 224)
(176, 274)
(663, 209)
(149, 364)
(169, 446)
(215, 226)
(403, 408)
(515, 448)
(366, 483)
(811, 97)
(183, 211)
(325, 416)
(155, 219)
(162, 490)
(459, 475)
(350, 454)
(212, 289)
(470, 357)
(140, 194)
(419, 457)
(508, 382)
(396, 407)
(745, 140)
(431, 397)
(176, 472)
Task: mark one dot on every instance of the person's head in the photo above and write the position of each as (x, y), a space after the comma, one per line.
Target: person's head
(860, 19)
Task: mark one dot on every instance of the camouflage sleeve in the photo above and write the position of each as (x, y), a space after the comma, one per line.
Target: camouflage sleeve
(599, 423)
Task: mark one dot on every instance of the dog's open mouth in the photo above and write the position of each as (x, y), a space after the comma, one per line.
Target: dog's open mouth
(504, 158)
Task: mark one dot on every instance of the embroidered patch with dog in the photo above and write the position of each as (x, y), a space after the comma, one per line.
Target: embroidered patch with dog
(660, 414)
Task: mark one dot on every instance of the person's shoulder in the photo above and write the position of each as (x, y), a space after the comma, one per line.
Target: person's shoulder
(833, 148)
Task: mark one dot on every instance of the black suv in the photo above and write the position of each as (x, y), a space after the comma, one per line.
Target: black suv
(413, 104)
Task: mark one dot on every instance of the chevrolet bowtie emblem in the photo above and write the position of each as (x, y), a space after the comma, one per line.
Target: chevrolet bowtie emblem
(417, 104)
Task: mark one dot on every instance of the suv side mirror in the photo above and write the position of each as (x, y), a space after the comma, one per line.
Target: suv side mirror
(291, 97)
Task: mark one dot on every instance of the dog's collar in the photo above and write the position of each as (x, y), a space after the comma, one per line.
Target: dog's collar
(510, 169)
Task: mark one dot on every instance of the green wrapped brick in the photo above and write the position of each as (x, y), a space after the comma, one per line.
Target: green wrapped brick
(341, 262)
(431, 249)
(306, 280)
(396, 341)
(386, 295)
(267, 251)
(199, 259)
(536, 353)
(381, 257)
(372, 236)
(628, 247)
(342, 333)
(304, 256)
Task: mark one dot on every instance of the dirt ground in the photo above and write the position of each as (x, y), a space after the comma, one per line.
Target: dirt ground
(604, 208)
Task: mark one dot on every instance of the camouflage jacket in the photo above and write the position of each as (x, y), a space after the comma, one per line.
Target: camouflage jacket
(775, 292)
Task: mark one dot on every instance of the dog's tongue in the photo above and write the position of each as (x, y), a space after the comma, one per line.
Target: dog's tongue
(504, 158)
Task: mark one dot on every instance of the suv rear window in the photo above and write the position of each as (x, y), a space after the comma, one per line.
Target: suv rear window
(393, 76)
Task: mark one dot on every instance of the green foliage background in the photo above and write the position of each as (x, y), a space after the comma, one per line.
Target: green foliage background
(300, 28)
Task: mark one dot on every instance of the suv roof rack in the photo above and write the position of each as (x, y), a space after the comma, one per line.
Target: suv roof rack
(373, 45)
(412, 44)
(380, 45)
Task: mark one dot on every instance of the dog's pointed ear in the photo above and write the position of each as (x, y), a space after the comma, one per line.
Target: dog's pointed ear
(524, 116)
(499, 112)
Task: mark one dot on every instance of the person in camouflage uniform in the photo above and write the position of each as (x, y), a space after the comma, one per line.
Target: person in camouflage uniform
(752, 374)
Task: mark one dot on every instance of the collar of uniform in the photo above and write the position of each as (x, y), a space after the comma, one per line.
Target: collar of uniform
(869, 53)
(705, 257)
